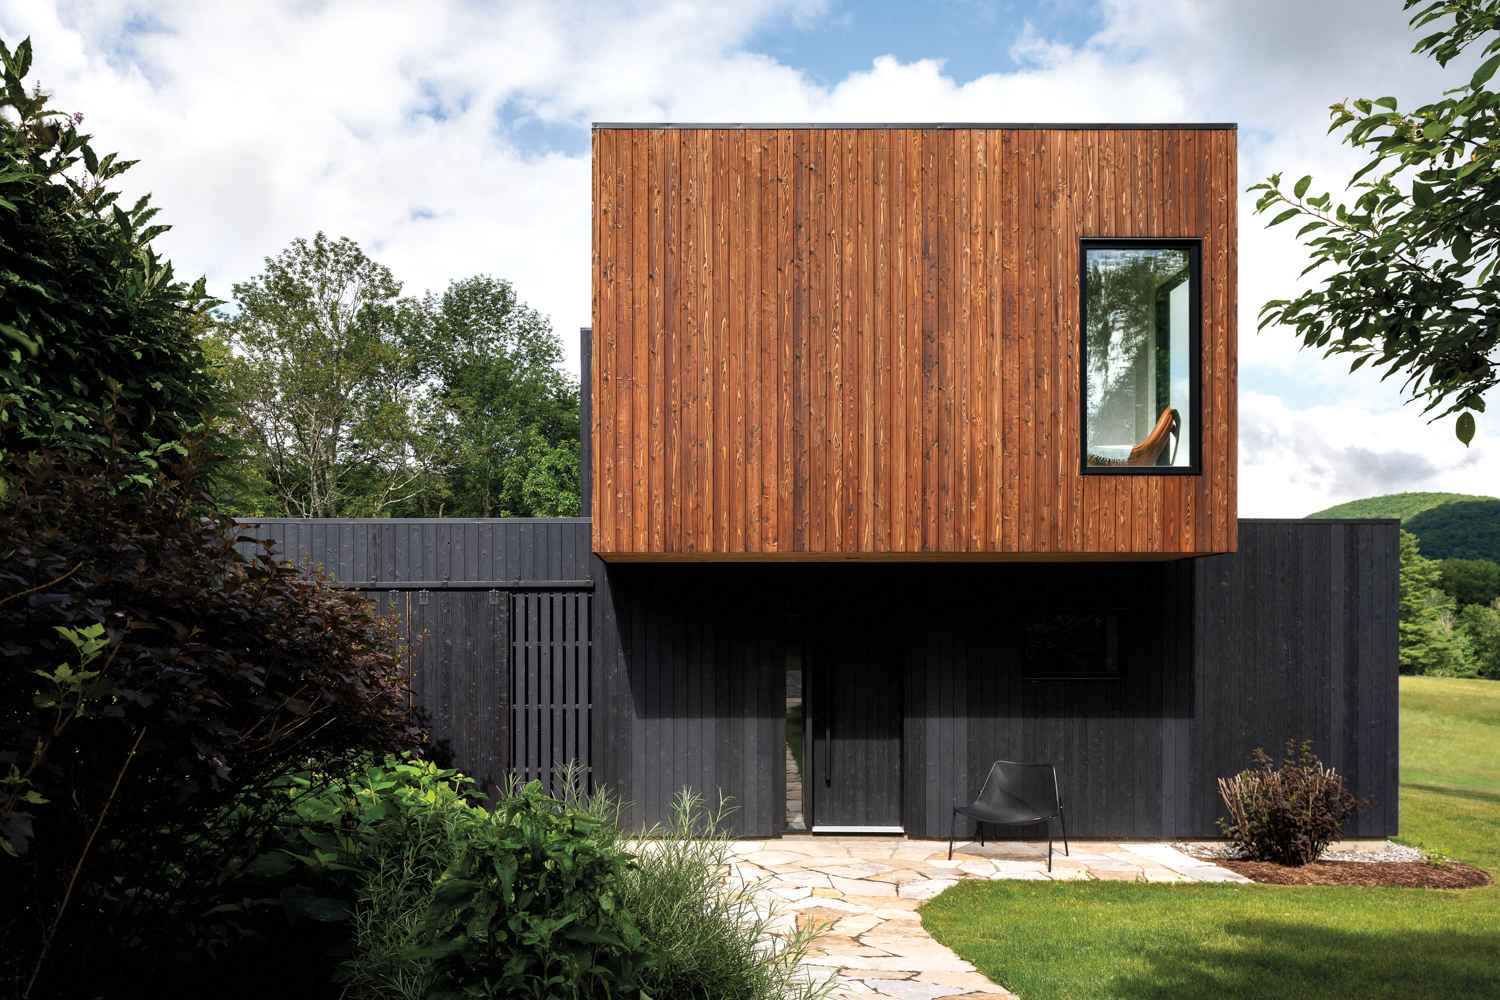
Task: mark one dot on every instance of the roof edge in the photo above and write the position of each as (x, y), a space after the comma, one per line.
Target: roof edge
(1070, 126)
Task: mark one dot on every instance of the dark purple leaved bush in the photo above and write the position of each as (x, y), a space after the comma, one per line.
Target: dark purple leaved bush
(1286, 814)
(154, 685)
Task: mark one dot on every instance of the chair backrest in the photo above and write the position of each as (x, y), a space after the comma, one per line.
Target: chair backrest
(1147, 451)
(1034, 784)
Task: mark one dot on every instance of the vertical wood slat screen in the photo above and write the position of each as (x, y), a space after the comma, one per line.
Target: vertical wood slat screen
(551, 690)
(846, 341)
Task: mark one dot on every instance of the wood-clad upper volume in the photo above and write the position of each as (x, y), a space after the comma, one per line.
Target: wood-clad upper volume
(846, 342)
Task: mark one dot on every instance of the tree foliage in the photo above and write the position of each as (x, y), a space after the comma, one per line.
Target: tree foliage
(331, 401)
(1470, 581)
(352, 400)
(84, 300)
(1479, 627)
(1410, 279)
(1426, 643)
(1402, 506)
(513, 412)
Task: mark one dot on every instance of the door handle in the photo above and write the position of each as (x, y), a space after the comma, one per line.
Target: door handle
(828, 732)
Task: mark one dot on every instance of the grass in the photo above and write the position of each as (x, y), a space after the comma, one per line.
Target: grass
(1450, 768)
(1096, 940)
(1087, 940)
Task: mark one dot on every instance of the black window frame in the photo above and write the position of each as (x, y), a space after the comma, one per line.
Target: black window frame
(1121, 616)
(1194, 246)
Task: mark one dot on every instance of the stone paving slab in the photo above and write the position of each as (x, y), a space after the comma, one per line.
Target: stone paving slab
(866, 890)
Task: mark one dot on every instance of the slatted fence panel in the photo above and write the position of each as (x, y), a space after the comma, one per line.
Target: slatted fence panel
(551, 689)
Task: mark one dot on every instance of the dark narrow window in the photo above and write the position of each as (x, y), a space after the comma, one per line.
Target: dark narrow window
(1140, 322)
(1072, 644)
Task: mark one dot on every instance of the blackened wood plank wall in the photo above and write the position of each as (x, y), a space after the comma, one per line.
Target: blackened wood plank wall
(462, 657)
(1292, 637)
(699, 698)
(1298, 634)
(835, 342)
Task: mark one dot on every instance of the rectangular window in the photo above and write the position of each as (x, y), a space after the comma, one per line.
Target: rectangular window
(1072, 645)
(1140, 323)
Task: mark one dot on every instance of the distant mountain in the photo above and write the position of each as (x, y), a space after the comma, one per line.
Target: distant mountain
(1402, 505)
(1446, 524)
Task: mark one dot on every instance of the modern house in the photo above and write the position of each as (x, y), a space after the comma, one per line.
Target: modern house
(908, 448)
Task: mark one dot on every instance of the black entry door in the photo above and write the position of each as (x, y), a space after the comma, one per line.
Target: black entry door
(854, 680)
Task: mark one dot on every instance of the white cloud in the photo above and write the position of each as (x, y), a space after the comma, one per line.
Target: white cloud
(391, 123)
(1295, 462)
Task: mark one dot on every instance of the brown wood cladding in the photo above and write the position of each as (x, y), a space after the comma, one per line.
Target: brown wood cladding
(857, 342)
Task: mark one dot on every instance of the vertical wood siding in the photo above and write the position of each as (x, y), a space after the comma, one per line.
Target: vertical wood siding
(1292, 637)
(852, 342)
(698, 701)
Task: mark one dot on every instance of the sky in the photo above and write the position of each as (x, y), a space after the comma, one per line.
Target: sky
(451, 138)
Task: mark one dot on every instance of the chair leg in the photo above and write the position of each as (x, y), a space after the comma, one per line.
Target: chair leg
(952, 829)
(980, 824)
(1049, 843)
(1063, 821)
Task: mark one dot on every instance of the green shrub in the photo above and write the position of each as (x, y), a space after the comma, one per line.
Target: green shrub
(412, 890)
(1288, 814)
(532, 907)
(85, 302)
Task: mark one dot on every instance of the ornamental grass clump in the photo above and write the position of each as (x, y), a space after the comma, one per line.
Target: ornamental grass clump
(1287, 814)
(711, 932)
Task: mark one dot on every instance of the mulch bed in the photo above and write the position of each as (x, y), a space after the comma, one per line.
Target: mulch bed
(1406, 874)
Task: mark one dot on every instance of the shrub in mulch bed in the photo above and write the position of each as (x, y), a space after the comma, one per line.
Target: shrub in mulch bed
(1404, 874)
(1287, 814)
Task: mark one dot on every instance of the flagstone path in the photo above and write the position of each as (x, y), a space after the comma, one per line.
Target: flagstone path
(870, 887)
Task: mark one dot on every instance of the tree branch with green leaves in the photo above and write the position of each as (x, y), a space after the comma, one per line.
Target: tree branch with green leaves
(1409, 268)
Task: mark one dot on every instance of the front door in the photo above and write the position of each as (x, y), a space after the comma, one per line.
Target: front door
(853, 684)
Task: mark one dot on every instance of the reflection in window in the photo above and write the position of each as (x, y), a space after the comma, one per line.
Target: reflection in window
(1137, 351)
(1075, 644)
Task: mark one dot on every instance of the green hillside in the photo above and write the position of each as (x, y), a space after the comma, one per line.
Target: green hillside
(1402, 505)
(1447, 525)
(1467, 529)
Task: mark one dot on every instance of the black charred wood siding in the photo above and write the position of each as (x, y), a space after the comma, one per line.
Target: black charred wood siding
(1291, 637)
(463, 635)
(1295, 639)
(697, 700)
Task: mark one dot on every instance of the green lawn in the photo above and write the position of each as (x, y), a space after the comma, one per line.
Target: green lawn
(1096, 940)
(1450, 768)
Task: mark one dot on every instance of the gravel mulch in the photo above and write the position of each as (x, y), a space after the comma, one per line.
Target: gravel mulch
(1393, 853)
(1406, 874)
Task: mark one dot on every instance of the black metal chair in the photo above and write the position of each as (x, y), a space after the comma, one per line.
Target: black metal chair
(1016, 795)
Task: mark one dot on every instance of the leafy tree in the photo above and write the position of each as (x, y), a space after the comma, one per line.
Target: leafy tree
(513, 438)
(543, 481)
(1414, 285)
(332, 402)
(1425, 645)
(1480, 627)
(84, 300)
(354, 401)
(1471, 581)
